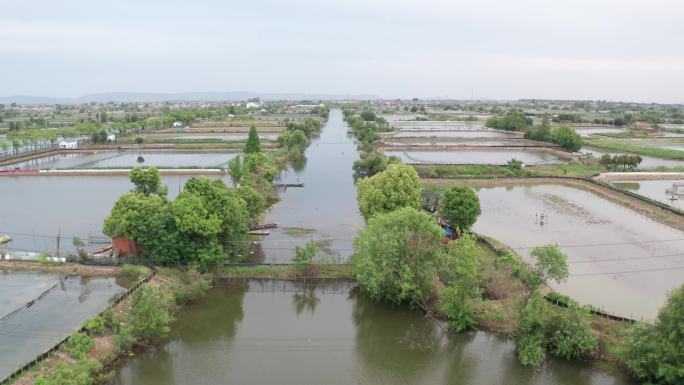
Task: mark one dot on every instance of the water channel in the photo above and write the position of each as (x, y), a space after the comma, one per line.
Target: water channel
(326, 208)
(250, 336)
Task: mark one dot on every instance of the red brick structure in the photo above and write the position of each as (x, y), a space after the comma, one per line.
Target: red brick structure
(122, 246)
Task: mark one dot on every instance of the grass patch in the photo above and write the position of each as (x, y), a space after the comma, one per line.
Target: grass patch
(135, 271)
(324, 270)
(298, 232)
(663, 153)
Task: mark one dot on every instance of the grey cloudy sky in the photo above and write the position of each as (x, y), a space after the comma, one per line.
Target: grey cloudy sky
(574, 49)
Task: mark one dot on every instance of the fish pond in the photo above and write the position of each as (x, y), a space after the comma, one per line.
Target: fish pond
(125, 159)
(619, 260)
(67, 302)
(654, 189)
(35, 209)
(494, 157)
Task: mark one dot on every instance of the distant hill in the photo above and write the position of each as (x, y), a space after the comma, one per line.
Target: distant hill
(174, 97)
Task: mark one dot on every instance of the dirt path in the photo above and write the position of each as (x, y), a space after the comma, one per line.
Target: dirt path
(66, 268)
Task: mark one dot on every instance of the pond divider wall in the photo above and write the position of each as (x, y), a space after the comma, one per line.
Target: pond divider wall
(41, 357)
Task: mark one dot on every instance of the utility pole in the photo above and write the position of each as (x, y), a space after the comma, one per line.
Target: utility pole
(59, 234)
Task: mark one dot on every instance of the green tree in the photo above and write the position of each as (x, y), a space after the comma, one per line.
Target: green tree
(550, 263)
(193, 218)
(529, 334)
(655, 353)
(368, 115)
(236, 170)
(130, 214)
(398, 186)
(147, 181)
(151, 312)
(397, 255)
(305, 254)
(463, 282)
(254, 202)
(567, 138)
(253, 144)
(460, 206)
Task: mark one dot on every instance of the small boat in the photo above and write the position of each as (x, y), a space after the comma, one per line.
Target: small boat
(259, 232)
(5, 238)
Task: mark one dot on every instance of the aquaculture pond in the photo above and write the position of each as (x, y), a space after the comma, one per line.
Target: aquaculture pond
(459, 142)
(608, 246)
(35, 209)
(655, 189)
(287, 335)
(497, 157)
(325, 208)
(454, 134)
(444, 125)
(222, 137)
(647, 162)
(588, 131)
(128, 159)
(68, 301)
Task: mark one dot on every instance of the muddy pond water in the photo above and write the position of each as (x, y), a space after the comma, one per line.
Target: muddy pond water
(68, 303)
(654, 189)
(34, 209)
(315, 336)
(128, 159)
(454, 134)
(607, 244)
(495, 157)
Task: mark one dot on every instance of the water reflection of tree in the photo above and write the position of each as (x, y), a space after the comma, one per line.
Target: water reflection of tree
(396, 344)
(154, 366)
(298, 164)
(213, 317)
(255, 253)
(305, 300)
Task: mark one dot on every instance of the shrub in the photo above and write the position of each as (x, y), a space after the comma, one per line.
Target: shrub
(151, 312)
(95, 325)
(569, 334)
(79, 345)
(70, 374)
(567, 138)
(655, 353)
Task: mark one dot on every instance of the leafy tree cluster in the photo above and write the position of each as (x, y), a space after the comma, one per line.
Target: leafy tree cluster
(512, 121)
(398, 255)
(373, 162)
(308, 125)
(620, 162)
(206, 222)
(655, 352)
(460, 206)
(396, 187)
(567, 138)
(565, 117)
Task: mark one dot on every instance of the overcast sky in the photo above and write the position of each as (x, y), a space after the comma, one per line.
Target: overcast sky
(571, 49)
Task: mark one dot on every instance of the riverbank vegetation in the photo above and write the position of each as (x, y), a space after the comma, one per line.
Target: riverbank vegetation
(139, 321)
(483, 284)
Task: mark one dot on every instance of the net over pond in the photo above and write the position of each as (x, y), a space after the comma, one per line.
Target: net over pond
(68, 303)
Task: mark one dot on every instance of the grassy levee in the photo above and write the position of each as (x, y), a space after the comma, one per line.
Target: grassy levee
(657, 152)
